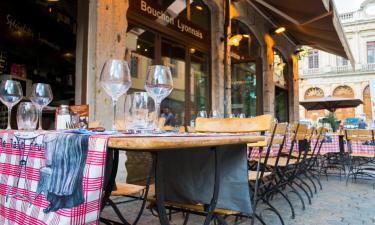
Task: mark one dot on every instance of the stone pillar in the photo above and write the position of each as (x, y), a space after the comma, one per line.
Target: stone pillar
(294, 90)
(268, 84)
(106, 34)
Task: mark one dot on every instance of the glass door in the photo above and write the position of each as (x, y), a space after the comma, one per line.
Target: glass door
(173, 55)
(243, 87)
(281, 105)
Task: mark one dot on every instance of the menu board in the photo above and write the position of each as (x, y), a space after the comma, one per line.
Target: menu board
(3, 61)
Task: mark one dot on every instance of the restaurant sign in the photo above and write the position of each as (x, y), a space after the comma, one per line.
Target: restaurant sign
(168, 17)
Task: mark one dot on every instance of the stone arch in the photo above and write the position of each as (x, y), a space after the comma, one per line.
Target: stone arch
(367, 103)
(346, 92)
(313, 93)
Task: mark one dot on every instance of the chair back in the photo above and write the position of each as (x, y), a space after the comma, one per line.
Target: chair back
(359, 135)
(234, 125)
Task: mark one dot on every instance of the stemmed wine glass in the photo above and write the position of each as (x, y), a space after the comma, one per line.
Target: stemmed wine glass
(41, 96)
(159, 85)
(115, 79)
(10, 94)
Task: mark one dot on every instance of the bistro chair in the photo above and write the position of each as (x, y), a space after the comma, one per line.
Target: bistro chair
(221, 125)
(275, 141)
(360, 163)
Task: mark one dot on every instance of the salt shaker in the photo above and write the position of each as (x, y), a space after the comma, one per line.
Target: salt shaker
(63, 118)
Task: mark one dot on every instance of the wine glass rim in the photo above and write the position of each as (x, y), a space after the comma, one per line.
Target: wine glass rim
(41, 83)
(7, 80)
(116, 60)
(158, 65)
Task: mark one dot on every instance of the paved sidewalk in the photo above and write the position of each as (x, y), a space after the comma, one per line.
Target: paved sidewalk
(336, 204)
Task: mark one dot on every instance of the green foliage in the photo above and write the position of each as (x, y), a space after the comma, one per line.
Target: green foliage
(330, 119)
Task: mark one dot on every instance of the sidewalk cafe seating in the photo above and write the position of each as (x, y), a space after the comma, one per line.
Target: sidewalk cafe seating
(361, 164)
(218, 125)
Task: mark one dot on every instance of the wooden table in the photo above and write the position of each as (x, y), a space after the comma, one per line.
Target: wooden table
(156, 144)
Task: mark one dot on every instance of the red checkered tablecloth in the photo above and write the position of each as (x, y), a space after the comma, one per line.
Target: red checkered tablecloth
(330, 144)
(17, 210)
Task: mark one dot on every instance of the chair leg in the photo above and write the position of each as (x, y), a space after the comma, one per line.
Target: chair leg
(186, 220)
(305, 184)
(312, 182)
(273, 209)
(304, 190)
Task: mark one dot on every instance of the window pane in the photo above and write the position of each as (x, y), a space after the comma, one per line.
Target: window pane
(244, 88)
(173, 55)
(199, 82)
(139, 53)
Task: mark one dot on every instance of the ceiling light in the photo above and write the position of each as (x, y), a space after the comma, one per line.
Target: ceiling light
(278, 30)
(53, 0)
(246, 35)
(280, 66)
(138, 46)
(192, 50)
(235, 40)
(200, 8)
(146, 49)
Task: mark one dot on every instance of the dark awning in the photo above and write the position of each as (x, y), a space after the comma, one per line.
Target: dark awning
(330, 103)
(308, 22)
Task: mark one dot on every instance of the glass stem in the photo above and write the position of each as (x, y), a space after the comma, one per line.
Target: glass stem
(157, 108)
(40, 110)
(114, 103)
(9, 116)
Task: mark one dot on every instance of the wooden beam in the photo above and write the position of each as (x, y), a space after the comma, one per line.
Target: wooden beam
(317, 18)
(279, 12)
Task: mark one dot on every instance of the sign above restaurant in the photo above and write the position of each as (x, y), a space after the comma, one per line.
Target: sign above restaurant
(169, 18)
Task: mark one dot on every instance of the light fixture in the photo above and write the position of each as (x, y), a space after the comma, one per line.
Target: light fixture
(198, 7)
(138, 46)
(280, 66)
(235, 40)
(192, 50)
(146, 49)
(300, 51)
(246, 35)
(277, 30)
(53, 0)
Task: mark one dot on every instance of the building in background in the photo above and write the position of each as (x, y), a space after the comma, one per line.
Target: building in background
(324, 74)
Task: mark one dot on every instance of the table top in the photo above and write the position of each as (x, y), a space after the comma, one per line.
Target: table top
(155, 143)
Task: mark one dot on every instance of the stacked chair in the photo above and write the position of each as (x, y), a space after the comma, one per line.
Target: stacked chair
(293, 170)
(360, 164)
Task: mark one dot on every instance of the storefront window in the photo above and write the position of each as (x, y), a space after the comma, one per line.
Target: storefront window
(244, 55)
(174, 33)
(199, 81)
(173, 55)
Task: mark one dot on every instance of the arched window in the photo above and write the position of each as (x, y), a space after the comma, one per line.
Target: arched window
(313, 93)
(367, 103)
(345, 92)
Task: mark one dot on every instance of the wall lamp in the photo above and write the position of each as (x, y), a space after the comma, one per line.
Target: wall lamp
(277, 30)
(235, 40)
(301, 51)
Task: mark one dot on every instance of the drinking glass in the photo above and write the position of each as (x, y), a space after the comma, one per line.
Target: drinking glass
(41, 96)
(159, 85)
(10, 95)
(27, 116)
(139, 112)
(242, 115)
(202, 113)
(215, 114)
(115, 79)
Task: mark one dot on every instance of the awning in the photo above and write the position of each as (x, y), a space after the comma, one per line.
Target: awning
(308, 22)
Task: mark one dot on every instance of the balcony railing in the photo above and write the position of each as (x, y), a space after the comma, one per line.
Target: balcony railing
(344, 69)
(312, 71)
(346, 16)
(368, 67)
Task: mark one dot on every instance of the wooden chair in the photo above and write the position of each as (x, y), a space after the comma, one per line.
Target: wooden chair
(360, 164)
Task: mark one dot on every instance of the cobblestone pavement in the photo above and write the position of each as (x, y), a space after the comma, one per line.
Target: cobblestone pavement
(336, 204)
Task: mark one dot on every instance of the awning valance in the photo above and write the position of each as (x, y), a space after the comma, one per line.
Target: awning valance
(309, 22)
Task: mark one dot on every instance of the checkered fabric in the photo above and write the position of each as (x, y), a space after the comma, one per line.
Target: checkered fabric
(330, 144)
(17, 210)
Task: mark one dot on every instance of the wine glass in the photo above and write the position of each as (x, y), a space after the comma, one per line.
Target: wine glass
(215, 114)
(202, 114)
(41, 96)
(10, 94)
(159, 85)
(115, 79)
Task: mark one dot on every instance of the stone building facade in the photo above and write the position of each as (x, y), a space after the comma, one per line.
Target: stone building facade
(324, 74)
